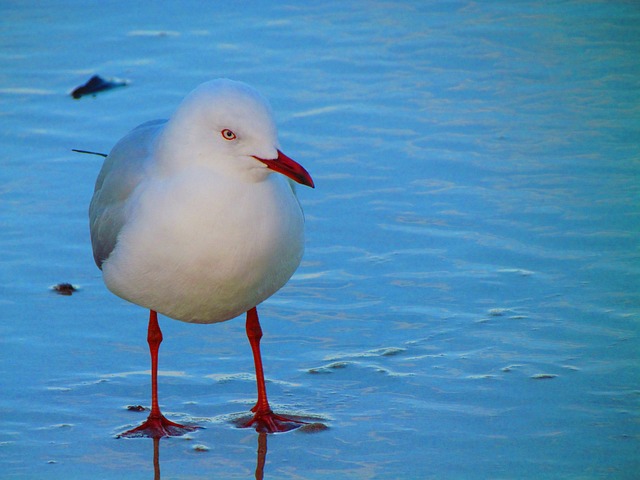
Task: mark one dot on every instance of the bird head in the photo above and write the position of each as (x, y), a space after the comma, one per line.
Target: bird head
(228, 126)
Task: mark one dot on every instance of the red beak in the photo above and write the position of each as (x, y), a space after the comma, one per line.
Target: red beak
(288, 167)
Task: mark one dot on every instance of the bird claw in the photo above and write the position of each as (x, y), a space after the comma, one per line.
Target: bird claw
(269, 422)
(157, 426)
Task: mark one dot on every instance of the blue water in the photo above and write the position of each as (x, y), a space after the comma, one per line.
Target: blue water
(468, 305)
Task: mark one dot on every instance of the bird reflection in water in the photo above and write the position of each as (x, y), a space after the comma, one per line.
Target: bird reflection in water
(156, 458)
(260, 462)
(261, 452)
(262, 455)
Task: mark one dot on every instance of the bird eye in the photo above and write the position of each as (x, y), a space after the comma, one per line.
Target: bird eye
(228, 134)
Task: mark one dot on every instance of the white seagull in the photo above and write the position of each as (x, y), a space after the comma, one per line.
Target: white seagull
(194, 218)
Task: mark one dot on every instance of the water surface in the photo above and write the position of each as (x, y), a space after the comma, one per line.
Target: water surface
(468, 303)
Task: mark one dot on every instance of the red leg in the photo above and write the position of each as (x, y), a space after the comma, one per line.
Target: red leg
(156, 425)
(264, 419)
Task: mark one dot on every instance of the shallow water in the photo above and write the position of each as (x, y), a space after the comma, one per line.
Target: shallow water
(468, 304)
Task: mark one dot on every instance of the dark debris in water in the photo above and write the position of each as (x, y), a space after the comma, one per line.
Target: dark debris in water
(95, 85)
(136, 408)
(509, 368)
(200, 448)
(543, 376)
(64, 289)
(313, 428)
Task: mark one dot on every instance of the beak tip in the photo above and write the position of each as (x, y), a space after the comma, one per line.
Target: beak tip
(289, 168)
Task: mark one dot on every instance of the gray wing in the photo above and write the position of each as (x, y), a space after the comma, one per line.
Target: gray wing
(122, 171)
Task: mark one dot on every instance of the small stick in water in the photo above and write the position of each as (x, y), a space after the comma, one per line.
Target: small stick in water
(90, 153)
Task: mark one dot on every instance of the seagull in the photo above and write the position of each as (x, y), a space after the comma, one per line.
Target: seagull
(196, 218)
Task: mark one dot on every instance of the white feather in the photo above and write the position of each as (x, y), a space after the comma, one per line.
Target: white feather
(189, 224)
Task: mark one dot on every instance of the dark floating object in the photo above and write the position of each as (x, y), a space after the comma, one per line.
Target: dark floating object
(543, 376)
(313, 428)
(64, 289)
(97, 84)
(136, 408)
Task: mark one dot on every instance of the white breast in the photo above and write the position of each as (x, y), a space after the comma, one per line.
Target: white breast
(203, 248)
